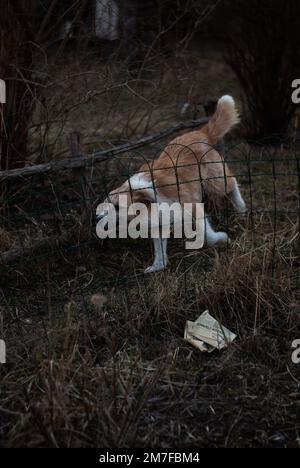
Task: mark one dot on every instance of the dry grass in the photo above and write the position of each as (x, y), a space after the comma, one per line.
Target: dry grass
(112, 370)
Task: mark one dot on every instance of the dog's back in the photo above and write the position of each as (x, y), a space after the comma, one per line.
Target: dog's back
(186, 167)
(190, 162)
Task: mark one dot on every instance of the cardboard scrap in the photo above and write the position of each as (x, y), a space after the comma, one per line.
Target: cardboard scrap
(207, 334)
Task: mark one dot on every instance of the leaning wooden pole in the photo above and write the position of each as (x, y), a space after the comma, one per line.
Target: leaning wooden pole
(99, 156)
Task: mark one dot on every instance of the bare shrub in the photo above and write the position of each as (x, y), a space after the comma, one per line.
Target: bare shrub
(262, 48)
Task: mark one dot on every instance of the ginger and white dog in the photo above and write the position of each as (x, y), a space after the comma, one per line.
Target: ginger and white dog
(187, 168)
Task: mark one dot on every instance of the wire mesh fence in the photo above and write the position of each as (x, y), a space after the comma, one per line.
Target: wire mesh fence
(95, 348)
(81, 309)
(47, 216)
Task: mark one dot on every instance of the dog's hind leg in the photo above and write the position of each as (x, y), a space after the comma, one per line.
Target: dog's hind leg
(160, 256)
(212, 237)
(237, 199)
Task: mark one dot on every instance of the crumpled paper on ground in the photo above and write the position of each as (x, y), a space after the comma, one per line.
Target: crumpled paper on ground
(207, 334)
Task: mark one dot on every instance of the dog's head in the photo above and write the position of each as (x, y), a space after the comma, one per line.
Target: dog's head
(133, 191)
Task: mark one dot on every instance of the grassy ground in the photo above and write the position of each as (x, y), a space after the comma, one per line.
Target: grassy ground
(96, 353)
(95, 349)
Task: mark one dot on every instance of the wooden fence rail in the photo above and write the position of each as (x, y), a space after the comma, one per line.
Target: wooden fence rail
(81, 162)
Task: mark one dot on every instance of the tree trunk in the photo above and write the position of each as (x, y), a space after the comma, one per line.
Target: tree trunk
(15, 63)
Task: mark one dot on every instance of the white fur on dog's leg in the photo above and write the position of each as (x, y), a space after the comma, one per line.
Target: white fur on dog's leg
(154, 268)
(212, 237)
(237, 199)
(160, 256)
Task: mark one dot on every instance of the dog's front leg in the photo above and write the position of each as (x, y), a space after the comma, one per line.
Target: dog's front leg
(160, 256)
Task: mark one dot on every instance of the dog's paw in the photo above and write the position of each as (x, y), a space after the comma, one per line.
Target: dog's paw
(154, 268)
(241, 208)
(223, 238)
(218, 238)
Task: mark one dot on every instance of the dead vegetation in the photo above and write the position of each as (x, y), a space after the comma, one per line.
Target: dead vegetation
(96, 350)
(96, 355)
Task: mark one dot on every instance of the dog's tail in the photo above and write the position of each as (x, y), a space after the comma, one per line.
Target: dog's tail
(225, 117)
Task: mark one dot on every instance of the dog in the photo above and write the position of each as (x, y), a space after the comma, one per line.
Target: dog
(187, 168)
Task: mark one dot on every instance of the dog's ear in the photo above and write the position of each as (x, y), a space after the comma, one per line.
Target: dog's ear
(141, 196)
